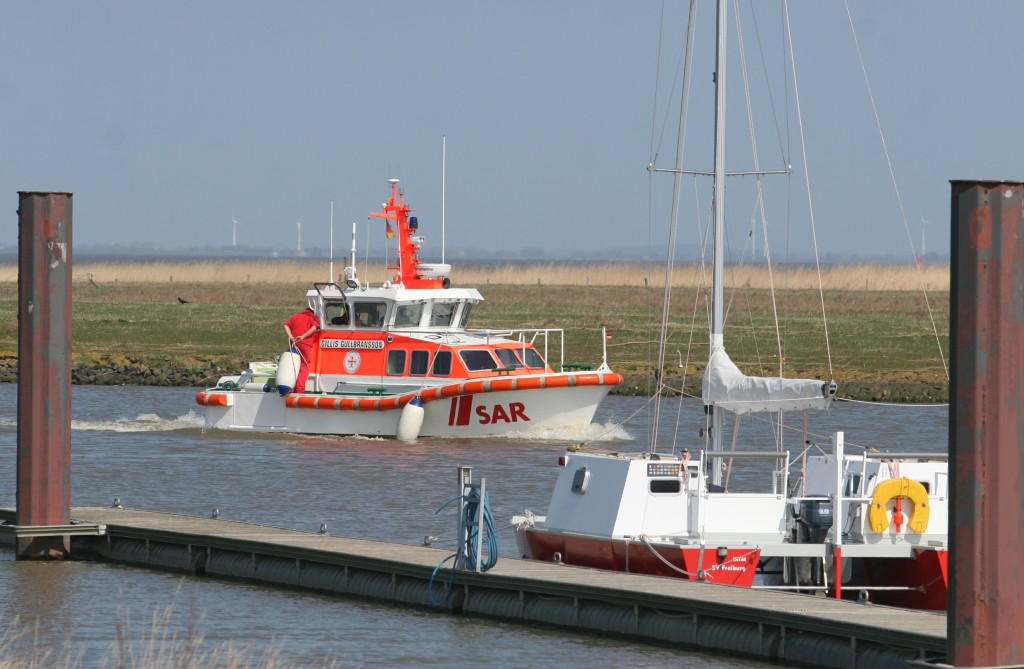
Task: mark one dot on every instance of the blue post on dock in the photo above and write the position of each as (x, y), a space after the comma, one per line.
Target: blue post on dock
(985, 625)
(44, 375)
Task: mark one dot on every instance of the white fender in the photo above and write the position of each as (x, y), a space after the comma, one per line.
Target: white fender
(411, 420)
(287, 371)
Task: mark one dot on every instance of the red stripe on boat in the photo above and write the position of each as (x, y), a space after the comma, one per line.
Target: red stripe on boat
(465, 408)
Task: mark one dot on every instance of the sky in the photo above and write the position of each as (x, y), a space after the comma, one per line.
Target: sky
(168, 120)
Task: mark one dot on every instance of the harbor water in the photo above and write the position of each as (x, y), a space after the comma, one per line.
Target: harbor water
(145, 446)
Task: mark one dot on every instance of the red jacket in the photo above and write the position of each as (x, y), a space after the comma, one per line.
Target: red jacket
(298, 325)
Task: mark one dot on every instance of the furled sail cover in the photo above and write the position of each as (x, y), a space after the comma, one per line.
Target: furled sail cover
(727, 387)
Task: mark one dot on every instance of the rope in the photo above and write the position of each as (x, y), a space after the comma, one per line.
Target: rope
(647, 542)
(702, 575)
(895, 186)
(760, 184)
(903, 405)
(807, 185)
(673, 228)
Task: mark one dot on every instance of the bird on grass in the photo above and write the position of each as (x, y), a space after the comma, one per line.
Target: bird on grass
(182, 300)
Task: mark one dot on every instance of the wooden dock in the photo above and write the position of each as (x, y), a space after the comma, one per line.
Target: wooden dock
(794, 629)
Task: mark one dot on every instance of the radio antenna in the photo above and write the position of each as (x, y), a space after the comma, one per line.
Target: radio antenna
(330, 266)
(443, 164)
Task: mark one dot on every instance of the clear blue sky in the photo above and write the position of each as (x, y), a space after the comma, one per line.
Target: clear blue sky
(165, 119)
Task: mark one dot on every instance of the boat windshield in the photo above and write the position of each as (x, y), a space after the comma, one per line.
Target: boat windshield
(533, 359)
(477, 360)
(467, 307)
(442, 313)
(508, 358)
(408, 315)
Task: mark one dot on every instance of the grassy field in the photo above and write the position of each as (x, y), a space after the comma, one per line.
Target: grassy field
(880, 318)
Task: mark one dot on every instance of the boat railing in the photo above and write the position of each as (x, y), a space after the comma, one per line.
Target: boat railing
(750, 499)
(907, 456)
(545, 339)
(779, 475)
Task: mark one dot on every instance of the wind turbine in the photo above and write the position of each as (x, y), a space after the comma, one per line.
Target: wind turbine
(298, 248)
(234, 228)
(920, 258)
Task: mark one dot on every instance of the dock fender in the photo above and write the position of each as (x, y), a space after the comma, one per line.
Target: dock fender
(411, 421)
(878, 516)
(287, 371)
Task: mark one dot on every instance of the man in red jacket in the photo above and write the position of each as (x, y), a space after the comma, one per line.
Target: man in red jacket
(302, 329)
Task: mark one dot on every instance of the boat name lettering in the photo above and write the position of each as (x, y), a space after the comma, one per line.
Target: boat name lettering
(352, 343)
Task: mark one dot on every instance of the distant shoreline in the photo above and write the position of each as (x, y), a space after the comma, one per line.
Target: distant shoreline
(853, 277)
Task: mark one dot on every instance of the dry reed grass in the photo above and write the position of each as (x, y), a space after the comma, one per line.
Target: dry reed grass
(155, 648)
(859, 277)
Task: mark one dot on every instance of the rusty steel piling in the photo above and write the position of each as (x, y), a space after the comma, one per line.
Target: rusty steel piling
(44, 374)
(985, 626)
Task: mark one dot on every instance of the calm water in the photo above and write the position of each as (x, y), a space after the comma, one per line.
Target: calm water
(145, 446)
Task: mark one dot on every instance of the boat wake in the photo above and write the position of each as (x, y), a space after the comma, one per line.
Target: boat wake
(145, 422)
(593, 432)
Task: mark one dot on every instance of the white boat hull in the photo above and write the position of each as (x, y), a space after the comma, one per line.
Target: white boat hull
(462, 415)
(642, 513)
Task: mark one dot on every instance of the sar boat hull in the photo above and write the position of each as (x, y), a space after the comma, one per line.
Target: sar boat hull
(470, 409)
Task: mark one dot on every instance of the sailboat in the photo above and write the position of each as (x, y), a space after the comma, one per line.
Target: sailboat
(865, 525)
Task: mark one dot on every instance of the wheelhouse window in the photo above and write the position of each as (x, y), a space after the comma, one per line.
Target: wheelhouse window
(477, 360)
(442, 313)
(408, 315)
(419, 363)
(396, 361)
(508, 358)
(467, 307)
(533, 359)
(369, 314)
(336, 315)
(442, 364)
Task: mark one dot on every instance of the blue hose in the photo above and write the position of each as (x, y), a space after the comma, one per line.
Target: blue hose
(472, 501)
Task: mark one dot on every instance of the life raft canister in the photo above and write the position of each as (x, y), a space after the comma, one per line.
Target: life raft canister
(878, 516)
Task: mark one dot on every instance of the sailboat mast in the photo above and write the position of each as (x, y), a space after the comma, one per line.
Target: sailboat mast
(718, 247)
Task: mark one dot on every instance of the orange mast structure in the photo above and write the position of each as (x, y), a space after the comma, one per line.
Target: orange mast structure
(408, 246)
